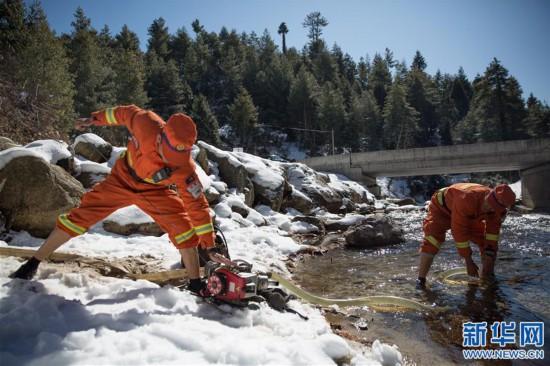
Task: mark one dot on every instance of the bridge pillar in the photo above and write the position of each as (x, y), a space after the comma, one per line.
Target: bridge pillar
(535, 186)
(372, 186)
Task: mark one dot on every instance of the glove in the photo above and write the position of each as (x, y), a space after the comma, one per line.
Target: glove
(198, 287)
(27, 269)
(207, 240)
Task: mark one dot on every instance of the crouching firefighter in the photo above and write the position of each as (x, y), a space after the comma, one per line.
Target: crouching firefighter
(473, 213)
(158, 156)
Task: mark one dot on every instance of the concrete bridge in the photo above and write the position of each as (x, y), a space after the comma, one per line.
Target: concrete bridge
(530, 157)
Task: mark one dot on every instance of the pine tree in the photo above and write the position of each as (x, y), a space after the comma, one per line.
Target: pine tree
(166, 92)
(207, 124)
(93, 80)
(244, 117)
(422, 96)
(283, 30)
(332, 116)
(178, 46)
(315, 23)
(303, 102)
(362, 73)
(379, 79)
(127, 40)
(446, 109)
(497, 111)
(129, 69)
(12, 28)
(366, 120)
(400, 119)
(537, 119)
(158, 39)
(419, 62)
(43, 74)
(461, 93)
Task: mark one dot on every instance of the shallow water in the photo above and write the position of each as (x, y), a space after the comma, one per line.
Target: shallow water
(520, 292)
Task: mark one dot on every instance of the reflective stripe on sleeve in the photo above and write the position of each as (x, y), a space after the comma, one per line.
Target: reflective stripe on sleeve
(440, 196)
(433, 241)
(462, 244)
(204, 229)
(180, 238)
(64, 220)
(493, 237)
(110, 116)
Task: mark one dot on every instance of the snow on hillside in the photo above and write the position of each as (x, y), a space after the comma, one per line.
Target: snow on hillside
(68, 315)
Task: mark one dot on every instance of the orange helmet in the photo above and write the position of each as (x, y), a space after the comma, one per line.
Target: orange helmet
(501, 197)
(177, 137)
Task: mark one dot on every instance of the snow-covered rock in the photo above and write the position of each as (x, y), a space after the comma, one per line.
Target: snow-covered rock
(131, 220)
(92, 147)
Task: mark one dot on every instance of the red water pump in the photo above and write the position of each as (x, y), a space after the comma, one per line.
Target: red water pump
(237, 284)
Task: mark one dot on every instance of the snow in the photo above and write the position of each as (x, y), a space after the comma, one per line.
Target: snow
(342, 183)
(90, 138)
(71, 315)
(516, 188)
(88, 166)
(264, 172)
(348, 220)
(130, 215)
(50, 151)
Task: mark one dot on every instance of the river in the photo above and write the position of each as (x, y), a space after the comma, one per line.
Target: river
(520, 292)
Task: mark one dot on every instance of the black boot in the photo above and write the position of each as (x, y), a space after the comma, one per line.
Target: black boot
(198, 287)
(27, 269)
(421, 283)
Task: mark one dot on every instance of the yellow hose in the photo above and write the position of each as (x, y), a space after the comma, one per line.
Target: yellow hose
(445, 277)
(383, 303)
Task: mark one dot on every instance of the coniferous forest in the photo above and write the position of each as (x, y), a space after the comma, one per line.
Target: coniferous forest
(251, 85)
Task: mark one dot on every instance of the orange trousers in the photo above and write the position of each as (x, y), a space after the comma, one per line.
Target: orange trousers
(436, 224)
(119, 190)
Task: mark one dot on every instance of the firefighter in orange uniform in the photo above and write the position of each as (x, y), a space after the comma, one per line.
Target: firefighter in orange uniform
(474, 213)
(158, 156)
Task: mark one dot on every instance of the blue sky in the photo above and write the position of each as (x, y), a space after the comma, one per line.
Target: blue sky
(449, 34)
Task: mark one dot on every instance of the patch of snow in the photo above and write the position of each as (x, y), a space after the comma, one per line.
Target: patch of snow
(87, 166)
(386, 354)
(222, 209)
(348, 220)
(516, 188)
(50, 151)
(90, 138)
(130, 215)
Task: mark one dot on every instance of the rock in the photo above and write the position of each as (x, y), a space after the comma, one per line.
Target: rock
(297, 200)
(89, 179)
(202, 159)
(311, 220)
(345, 222)
(402, 201)
(92, 147)
(268, 196)
(231, 171)
(347, 206)
(240, 210)
(3, 223)
(212, 195)
(376, 231)
(147, 228)
(6, 143)
(366, 209)
(33, 193)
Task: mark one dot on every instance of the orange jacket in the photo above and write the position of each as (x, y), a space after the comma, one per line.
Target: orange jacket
(143, 157)
(465, 201)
